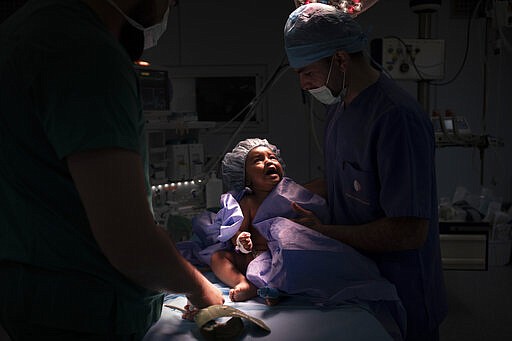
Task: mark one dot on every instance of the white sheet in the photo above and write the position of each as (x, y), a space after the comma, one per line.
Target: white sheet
(292, 319)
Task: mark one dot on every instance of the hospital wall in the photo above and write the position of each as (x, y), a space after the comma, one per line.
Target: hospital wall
(227, 33)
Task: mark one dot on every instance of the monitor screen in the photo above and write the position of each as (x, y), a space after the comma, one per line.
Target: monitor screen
(222, 98)
(155, 89)
(220, 93)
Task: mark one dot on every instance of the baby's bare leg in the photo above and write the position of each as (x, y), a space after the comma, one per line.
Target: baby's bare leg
(223, 266)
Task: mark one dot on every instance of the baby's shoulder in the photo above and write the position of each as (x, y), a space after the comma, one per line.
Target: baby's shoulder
(246, 202)
(248, 205)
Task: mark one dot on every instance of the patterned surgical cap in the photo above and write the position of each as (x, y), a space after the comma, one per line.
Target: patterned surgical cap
(233, 164)
(316, 31)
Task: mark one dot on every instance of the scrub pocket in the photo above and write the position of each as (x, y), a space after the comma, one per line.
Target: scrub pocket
(361, 192)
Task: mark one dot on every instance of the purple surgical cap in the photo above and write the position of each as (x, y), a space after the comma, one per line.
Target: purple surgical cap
(233, 164)
(315, 31)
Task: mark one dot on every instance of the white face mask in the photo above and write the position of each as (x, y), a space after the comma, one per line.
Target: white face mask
(151, 33)
(324, 95)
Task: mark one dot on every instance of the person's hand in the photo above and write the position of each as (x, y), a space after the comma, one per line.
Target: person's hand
(209, 295)
(306, 218)
(244, 238)
(189, 312)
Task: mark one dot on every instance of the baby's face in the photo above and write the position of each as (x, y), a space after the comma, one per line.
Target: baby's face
(262, 169)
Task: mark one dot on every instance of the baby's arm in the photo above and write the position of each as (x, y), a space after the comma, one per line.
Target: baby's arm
(242, 239)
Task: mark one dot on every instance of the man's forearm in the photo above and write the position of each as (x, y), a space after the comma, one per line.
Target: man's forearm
(383, 235)
(154, 263)
(113, 192)
(317, 186)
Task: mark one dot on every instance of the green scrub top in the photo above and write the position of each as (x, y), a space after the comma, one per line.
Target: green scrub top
(67, 86)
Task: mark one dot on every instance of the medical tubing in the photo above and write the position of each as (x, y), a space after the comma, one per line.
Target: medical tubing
(468, 34)
(374, 62)
(219, 129)
(250, 113)
(253, 102)
(272, 80)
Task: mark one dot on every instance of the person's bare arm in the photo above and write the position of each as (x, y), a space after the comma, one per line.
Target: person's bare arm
(383, 235)
(317, 186)
(111, 186)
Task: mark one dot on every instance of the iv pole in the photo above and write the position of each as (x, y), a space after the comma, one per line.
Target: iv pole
(424, 9)
(484, 142)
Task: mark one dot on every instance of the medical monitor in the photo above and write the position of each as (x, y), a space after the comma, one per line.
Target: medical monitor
(155, 90)
(221, 93)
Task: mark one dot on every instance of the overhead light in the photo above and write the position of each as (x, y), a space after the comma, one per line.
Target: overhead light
(141, 63)
(352, 7)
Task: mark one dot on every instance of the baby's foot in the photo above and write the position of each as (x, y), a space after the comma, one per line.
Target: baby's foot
(242, 292)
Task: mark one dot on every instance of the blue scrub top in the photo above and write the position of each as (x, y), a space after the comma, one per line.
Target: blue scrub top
(380, 162)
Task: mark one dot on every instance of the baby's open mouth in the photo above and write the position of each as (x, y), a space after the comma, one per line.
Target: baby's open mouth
(271, 171)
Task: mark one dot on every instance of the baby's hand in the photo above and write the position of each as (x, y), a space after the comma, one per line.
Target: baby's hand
(245, 239)
(244, 242)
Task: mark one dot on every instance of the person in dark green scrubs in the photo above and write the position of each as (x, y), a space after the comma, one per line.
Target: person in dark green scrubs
(81, 257)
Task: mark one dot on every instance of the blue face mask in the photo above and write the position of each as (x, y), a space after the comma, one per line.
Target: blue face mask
(151, 33)
(324, 95)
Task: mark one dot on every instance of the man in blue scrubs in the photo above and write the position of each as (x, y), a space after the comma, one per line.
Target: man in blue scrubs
(80, 255)
(379, 162)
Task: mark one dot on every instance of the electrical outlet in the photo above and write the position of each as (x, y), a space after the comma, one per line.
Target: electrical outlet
(413, 59)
